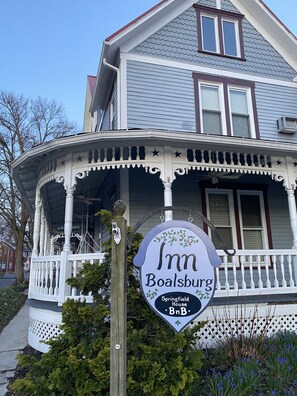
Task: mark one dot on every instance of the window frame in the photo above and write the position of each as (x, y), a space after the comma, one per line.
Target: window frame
(226, 84)
(219, 16)
(264, 233)
(222, 110)
(235, 190)
(232, 216)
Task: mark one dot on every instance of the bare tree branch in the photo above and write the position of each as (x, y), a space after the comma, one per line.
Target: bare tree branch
(24, 123)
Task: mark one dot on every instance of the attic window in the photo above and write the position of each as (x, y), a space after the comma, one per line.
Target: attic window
(219, 32)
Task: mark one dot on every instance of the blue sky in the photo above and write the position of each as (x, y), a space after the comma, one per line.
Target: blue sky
(48, 47)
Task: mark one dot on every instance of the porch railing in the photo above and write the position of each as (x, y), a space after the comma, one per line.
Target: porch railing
(48, 275)
(249, 272)
(257, 272)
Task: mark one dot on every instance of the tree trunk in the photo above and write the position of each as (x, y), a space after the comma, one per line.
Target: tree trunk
(19, 262)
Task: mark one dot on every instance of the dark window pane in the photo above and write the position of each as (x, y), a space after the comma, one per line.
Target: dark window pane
(251, 211)
(253, 239)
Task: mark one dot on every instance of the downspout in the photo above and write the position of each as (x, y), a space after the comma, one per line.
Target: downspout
(117, 70)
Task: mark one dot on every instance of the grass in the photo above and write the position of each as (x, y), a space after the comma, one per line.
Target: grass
(11, 301)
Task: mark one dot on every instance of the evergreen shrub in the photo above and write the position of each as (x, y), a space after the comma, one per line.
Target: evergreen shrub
(160, 362)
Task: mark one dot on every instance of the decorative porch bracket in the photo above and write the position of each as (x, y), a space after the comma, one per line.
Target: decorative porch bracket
(185, 210)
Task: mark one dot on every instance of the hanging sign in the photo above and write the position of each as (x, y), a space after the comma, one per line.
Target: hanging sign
(177, 263)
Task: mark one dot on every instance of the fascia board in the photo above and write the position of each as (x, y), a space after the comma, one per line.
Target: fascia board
(146, 136)
(270, 28)
(155, 23)
(100, 77)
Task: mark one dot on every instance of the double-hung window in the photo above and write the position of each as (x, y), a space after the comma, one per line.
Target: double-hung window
(220, 212)
(211, 109)
(252, 220)
(225, 106)
(240, 112)
(219, 32)
(240, 218)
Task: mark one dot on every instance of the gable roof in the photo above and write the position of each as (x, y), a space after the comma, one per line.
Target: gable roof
(256, 11)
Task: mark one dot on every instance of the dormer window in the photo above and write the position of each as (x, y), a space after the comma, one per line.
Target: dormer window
(219, 32)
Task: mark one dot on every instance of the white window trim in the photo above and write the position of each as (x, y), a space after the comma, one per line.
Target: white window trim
(216, 24)
(229, 193)
(221, 104)
(263, 216)
(237, 37)
(248, 92)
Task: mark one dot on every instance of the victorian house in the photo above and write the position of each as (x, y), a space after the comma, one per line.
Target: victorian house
(194, 105)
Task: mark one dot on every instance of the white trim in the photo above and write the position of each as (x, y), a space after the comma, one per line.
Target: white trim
(219, 5)
(206, 70)
(266, 24)
(221, 104)
(263, 216)
(216, 31)
(229, 194)
(237, 36)
(250, 113)
(154, 27)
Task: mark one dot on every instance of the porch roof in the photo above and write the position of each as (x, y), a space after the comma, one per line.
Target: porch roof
(25, 170)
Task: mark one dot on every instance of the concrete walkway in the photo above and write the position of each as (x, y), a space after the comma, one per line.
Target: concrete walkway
(13, 339)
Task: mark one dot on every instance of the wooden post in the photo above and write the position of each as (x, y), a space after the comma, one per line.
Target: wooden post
(118, 331)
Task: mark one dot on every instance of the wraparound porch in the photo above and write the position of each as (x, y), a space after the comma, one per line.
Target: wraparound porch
(246, 278)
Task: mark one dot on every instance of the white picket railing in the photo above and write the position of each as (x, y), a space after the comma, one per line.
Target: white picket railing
(48, 275)
(248, 272)
(257, 272)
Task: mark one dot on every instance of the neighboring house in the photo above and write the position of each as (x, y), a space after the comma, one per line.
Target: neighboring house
(195, 106)
(7, 257)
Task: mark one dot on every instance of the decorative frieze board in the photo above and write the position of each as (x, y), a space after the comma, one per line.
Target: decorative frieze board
(169, 161)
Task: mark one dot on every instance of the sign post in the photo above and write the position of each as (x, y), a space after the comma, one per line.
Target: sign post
(118, 330)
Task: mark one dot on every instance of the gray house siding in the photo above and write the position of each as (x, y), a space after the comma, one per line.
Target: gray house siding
(178, 41)
(145, 195)
(187, 193)
(160, 97)
(274, 102)
(163, 97)
(282, 237)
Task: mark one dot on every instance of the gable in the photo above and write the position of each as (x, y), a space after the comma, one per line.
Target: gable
(178, 40)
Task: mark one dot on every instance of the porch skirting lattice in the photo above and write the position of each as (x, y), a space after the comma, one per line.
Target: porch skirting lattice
(221, 321)
(245, 319)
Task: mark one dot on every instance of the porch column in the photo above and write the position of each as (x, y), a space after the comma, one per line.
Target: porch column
(42, 234)
(293, 215)
(168, 200)
(68, 218)
(37, 219)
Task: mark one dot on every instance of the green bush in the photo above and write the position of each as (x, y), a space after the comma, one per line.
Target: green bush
(11, 300)
(160, 362)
